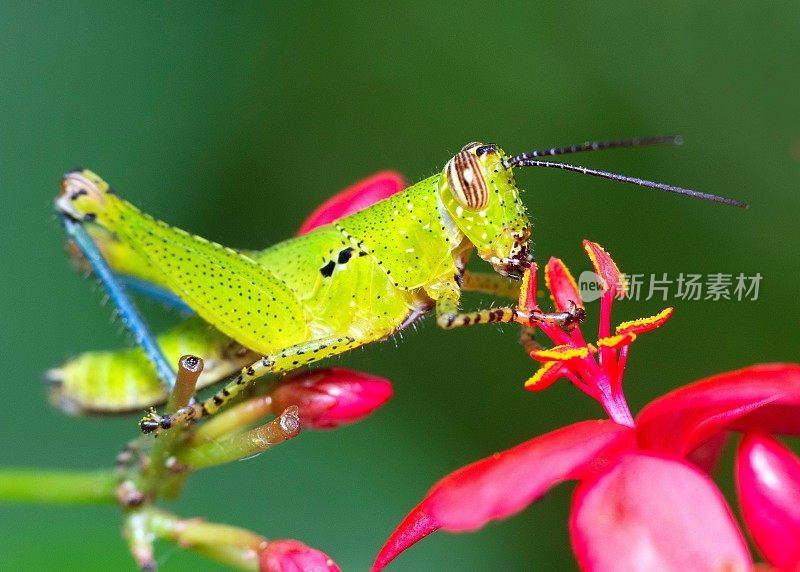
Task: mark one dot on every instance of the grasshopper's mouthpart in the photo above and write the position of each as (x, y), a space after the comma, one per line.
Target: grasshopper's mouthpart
(515, 265)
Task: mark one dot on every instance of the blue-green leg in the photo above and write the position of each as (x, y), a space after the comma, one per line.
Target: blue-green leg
(125, 306)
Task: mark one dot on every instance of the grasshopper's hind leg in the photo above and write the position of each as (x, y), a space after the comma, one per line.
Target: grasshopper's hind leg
(291, 358)
(125, 306)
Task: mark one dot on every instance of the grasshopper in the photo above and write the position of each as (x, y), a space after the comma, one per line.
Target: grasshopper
(355, 281)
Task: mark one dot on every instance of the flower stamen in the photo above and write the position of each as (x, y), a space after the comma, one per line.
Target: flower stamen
(597, 370)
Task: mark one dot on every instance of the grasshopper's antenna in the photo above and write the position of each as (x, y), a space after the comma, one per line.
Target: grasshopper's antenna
(600, 146)
(529, 160)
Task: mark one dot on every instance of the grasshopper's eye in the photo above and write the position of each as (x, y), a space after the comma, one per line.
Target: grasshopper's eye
(480, 148)
(466, 180)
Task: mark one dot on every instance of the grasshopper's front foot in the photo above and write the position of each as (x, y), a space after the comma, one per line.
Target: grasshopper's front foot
(153, 422)
(575, 315)
(569, 319)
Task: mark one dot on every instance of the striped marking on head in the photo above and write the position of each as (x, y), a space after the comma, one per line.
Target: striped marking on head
(466, 180)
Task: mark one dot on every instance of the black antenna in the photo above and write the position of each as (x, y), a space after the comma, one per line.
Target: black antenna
(529, 160)
(600, 146)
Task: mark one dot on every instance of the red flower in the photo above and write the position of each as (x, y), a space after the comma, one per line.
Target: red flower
(642, 502)
(595, 369)
(294, 556)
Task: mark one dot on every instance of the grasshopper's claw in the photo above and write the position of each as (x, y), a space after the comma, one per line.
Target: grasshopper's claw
(154, 422)
(148, 425)
(576, 314)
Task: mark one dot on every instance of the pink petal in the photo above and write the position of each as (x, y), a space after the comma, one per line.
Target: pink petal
(331, 397)
(354, 198)
(498, 486)
(294, 556)
(562, 286)
(651, 513)
(415, 526)
(762, 395)
(609, 276)
(707, 456)
(768, 483)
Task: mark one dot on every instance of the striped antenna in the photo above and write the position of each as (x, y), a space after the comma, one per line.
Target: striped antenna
(600, 146)
(529, 159)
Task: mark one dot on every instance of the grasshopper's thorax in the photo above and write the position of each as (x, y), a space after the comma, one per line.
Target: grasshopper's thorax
(481, 196)
(84, 196)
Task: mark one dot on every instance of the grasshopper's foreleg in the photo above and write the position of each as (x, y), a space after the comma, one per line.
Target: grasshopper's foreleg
(493, 283)
(291, 358)
(448, 315)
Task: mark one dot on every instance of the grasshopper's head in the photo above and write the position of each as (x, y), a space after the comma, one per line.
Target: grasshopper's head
(83, 195)
(480, 194)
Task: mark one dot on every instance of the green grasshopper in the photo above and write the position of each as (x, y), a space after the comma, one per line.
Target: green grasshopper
(343, 285)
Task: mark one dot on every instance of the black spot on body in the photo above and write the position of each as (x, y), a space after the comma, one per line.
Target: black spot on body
(344, 255)
(327, 270)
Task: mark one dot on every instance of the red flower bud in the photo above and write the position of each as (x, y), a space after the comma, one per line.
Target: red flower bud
(331, 397)
(294, 556)
(359, 196)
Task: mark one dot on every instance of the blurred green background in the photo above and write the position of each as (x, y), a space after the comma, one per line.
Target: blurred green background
(234, 120)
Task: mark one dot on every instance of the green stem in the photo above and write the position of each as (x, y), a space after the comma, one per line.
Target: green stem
(234, 419)
(157, 473)
(58, 487)
(229, 544)
(136, 531)
(243, 445)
